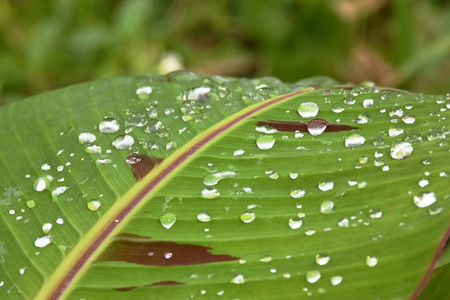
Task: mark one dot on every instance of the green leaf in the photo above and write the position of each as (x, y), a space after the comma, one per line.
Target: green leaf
(183, 185)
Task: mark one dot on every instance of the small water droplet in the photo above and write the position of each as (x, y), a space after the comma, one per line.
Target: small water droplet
(435, 134)
(168, 255)
(94, 205)
(424, 199)
(210, 193)
(326, 184)
(368, 103)
(167, 220)
(326, 207)
(108, 125)
(247, 217)
(213, 179)
(144, 92)
(308, 110)
(364, 118)
(47, 227)
(239, 279)
(204, 217)
(43, 241)
(354, 140)
(322, 259)
(371, 261)
(265, 142)
(86, 137)
(295, 223)
(40, 184)
(401, 150)
(337, 108)
(435, 210)
(266, 259)
(31, 203)
(293, 175)
(395, 130)
(297, 192)
(423, 182)
(133, 159)
(375, 213)
(310, 231)
(123, 142)
(408, 118)
(336, 280)
(313, 276)
(45, 167)
(238, 152)
(343, 223)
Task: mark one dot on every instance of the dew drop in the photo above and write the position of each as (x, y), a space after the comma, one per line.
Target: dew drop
(435, 134)
(354, 140)
(247, 217)
(364, 118)
(316, 126)
(40, 184)
(313, 276)
(238, 152)
(395, 131)
(266, 259)
(86, 137)
(133, 159)
(375, 213)
(43, 241)
(343, 223)
(213, 179)
(295, 223)
(265, 142)
(297, 192)
(167, 220)
(108, 125)
(31, 203)
(144, 92)
(336, 280)
(326, 184)
(322, 259)
(326, 207)
(401, 150)
(368, 103)
(94, 205)
(371, 261)
(123, 142)
(408, 118)
(423, 182)
(337, 108)
(239, 279)
(424, 199)
(435, 210)
(47, 227)
(210, 193)
(308, 110)
(204, 217)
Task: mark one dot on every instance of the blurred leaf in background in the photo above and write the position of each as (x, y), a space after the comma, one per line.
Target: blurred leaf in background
(49, 44)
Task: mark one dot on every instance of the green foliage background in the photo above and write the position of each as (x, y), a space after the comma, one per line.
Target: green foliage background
(49, 44)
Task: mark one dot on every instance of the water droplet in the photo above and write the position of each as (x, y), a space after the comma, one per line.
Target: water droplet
(213, 179)
(133, 159)
(297, 192)
(401, 150)
(295, 223)
(424, 199)
(266, 259)
(204, 217)
(364, 118)
(371, 261)
(326, 184)
(238, 152)
(45, 167)
(266, 129)
(94, 205)
(413, 136)
(31, 203)
(435, 134)
(343, 223)
(60, 221)
(168, 255)
(43, 241)
(86, 137)
(395, 130)
(265, 142)
(144, 92)
(368, 103)
(210, 193)
(337, 108)
(354, 140)
(336, 280)
(308, 110)
(322, 259)
(247, 217)
(435, 210)
(313, 276)
(423, 182)
(47, 227)
(293, 175)
(316, 126)
(310, 231)
(103, 161)
(108, 125)
(40, 184)
(123, 142)
(326, 207)
(408, 118)
(375, 213)
(167, 220)
(239, 279)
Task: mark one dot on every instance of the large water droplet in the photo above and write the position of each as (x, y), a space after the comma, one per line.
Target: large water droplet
(108, 125)
(297, 192)
(316, 126)
(123, 142)
(308, 110)
(354, 140)
(213, 179)
(43, 241)
(239, 279)
(424, 199)
(371, 261)
(326, 207)
(265, 142)
(322, 259)
(326, 184)
(247, 217)
(313, 276)
(86, 137)
(204, 217)
(295, 223)
(167, 220)
(401, 150)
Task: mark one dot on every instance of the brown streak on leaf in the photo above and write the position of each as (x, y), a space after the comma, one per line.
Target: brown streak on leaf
(145, 251)
(143, 165)
(303, 127)
(160, 283)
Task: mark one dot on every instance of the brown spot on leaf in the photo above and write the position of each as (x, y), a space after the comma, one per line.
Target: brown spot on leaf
(145, 251)
(160, 283)
(141, 164)
(303, 127)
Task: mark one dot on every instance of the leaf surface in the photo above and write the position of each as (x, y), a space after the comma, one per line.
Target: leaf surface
(182, 185)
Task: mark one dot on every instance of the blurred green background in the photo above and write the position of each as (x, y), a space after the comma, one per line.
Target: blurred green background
(49, 44)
